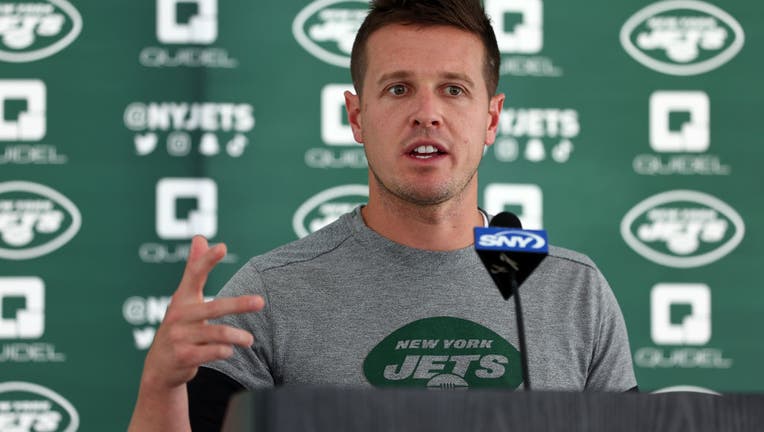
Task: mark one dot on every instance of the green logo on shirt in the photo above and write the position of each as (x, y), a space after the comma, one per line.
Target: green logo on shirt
(443, 353)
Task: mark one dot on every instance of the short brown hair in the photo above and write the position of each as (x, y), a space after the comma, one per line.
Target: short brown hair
(466, 15)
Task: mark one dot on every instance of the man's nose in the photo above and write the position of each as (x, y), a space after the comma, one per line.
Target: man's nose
(426, 110)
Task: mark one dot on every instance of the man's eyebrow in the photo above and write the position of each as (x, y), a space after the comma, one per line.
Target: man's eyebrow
(392, 76)
(403, 74)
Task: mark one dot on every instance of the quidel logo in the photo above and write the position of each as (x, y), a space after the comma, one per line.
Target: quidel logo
(682, 37)
(343, 151)
(519, 28)
(29, 123)
(28, 321)
(327, 206)
(682, 229)
(27, 407)
(443, 353)
(34, 220)
(524, 200)
(327, 28)
(31, 31)
(201, 28)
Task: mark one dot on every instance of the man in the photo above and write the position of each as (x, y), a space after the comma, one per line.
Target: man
(392, 293)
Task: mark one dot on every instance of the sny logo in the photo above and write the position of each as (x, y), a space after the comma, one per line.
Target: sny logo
(27, 123)
(200, 28)
(502, 239)
(28, 319)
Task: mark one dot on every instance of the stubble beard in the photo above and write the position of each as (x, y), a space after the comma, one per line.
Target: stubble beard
(410, 194)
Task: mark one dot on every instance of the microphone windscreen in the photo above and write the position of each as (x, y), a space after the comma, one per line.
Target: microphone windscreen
(506, 220)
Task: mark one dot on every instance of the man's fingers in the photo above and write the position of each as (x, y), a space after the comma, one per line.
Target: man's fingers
(196, 355)
(215, 334)
(199, 265)
(221, 307)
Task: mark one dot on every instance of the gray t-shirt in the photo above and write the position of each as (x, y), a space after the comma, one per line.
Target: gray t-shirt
(347, 306)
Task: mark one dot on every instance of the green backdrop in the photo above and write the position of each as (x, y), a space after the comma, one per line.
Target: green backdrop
(629, 133)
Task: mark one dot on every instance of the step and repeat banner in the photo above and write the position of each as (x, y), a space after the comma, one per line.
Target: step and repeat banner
(631, 132)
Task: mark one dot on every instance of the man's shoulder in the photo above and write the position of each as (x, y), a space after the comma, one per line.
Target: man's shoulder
(572, 257)
(308, 248)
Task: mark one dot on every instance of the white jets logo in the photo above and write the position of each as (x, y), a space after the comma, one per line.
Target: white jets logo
(201, 220)
(27, 322)
(201, 27)
(695, 328)
(527, 35)
(525, 200)
(694, 133)
(27, 407)
(29, 124)
(682, 37)
(327, 206)
(335, 131)
(31, 31)
(327, 28)
(682, 228)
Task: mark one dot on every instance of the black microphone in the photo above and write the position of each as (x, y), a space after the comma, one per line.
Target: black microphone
(511, 254)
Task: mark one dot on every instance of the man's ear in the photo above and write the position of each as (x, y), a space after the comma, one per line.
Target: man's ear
(494, 110)
(353, 108)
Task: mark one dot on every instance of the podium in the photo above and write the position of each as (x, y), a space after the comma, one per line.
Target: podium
(355, 409)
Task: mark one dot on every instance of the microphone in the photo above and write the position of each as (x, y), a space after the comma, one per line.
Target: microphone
(511, 254)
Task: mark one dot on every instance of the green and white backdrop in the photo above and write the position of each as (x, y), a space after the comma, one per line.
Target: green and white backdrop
(631, 132)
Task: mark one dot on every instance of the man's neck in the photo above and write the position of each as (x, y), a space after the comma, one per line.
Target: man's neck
(442, 227)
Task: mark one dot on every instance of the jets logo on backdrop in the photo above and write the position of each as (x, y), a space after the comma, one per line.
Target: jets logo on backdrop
(519, 29)
(35, 220)
(27, 407)
(680, 132)
(23, 120)
(524, 200)
(680, 323)
(682, 229)
(536, 134)
(222, 126)
(31, 31)
(443, 353)
(682, 37)
(187, 25)
(327, 28)
(22, 322)
(326, 207)
(185, 207)
(341, 151)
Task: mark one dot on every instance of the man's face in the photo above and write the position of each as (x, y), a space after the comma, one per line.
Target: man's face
(424, 115)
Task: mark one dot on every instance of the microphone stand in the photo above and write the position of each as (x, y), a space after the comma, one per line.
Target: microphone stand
(521, 333)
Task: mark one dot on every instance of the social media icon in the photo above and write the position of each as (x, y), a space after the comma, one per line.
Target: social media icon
(29, 123)
(679, 121)
(524, 200)
(27, 321)
(690, 324)
(200, 28)
(201, 219)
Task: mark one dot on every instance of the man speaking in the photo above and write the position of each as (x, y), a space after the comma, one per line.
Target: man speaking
(393, 293)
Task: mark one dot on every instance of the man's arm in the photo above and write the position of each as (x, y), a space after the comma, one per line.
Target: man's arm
(184, 341)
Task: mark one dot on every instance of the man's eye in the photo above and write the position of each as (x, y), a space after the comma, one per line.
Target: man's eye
(397, 90)
(454, 90)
